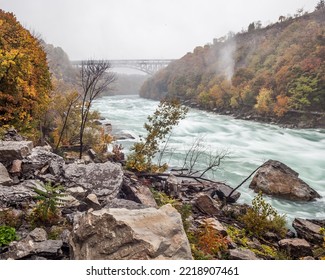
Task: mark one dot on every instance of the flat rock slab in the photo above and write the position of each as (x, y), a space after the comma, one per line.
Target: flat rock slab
(296, 247)
(27, 248)
(308, 230)
(117, 234)
(276, 179)
(102, 179)
(207, 205)
(19, 195)
(242, 254)
(11, 150)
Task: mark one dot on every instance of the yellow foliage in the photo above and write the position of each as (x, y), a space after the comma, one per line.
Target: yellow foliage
(25, 78)
(264, 102)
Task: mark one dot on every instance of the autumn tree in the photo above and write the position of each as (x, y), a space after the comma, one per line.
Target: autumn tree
(95, 79)
(24, 76)
(264, 101)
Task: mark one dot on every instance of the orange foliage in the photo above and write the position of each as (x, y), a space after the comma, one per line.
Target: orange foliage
(282, 105)
(211, 241)
(24, 75)
(274, 58)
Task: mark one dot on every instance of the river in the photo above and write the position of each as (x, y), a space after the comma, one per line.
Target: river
(248, 143)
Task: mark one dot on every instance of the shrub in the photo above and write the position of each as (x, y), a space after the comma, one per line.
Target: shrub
(210, 241)
(9, 218)
(238, 235)
(46, 210)
(262, 218)
(7, 235)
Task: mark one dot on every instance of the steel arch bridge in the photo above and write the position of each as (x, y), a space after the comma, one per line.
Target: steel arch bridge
(149, 66)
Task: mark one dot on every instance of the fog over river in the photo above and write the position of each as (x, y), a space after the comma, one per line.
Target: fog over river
(249, 145)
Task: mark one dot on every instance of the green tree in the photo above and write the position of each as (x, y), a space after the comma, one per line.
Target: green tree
(167, 115)
(300, 91)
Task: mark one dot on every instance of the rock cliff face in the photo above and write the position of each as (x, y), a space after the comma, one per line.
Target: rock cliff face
(118, 234)
(276, 179)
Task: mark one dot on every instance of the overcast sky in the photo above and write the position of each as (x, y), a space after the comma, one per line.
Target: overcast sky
(136, 29)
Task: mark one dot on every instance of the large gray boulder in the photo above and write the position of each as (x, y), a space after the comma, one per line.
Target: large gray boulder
(102, 179)
(11, 150)
(117, 234)
(276, 179)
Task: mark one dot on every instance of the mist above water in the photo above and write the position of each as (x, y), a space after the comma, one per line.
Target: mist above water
(249, 144)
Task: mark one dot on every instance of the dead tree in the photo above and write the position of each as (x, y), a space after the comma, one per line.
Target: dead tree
(95, 79)
(200, 152)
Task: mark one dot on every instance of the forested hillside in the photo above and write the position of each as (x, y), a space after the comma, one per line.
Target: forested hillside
(269, 71)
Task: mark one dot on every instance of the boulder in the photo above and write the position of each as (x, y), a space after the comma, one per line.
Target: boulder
(92, 202)
(19, 195)
(5, 179)
(11, 150)
(117, 234)
(38, 234)
(16, 167)
(123, 136)
(173, 186)
(123, 203)
(276, 179)
(296, 247)
(77, 192)
(41, 160)
(12, 135)
(207, 205)
(308, 230)
(215, 224)
(102, 179)
(242, 254)
(222, 191)
(27, 248)
(135, 191)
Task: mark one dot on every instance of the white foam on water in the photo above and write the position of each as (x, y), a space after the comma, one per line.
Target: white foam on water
(249, 145)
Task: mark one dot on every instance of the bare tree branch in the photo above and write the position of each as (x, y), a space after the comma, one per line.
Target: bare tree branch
(95, 79)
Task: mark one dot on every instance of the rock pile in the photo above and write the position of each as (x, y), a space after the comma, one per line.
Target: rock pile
(108, 213)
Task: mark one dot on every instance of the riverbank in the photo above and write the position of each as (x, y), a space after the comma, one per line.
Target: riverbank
(291, 119)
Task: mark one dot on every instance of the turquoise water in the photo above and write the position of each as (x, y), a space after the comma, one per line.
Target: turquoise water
(249, 144)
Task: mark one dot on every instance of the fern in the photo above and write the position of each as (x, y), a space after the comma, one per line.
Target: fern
(49, 200)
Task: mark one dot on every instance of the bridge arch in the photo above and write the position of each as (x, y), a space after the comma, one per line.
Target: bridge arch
(149, 66)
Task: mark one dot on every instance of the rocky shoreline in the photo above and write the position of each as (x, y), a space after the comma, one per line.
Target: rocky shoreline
(291, 119)
(106, 212)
